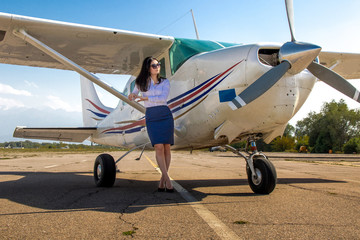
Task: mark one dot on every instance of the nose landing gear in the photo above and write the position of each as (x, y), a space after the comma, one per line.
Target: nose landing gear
(260, 171)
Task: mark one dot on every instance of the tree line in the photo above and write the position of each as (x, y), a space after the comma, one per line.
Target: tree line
(54, 145)
(335, 129)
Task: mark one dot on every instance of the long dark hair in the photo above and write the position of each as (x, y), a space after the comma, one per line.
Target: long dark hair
(142, 80)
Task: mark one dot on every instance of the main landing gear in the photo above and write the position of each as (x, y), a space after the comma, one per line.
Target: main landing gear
(260, 171)
(105, 167)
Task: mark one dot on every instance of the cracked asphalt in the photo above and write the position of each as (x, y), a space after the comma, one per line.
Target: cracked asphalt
(53, 196)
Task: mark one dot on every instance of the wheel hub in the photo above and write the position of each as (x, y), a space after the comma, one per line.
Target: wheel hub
(98, 170)
(256, 178)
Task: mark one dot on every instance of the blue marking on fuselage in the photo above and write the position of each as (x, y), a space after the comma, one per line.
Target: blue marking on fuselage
(127, 131)
(98, 114)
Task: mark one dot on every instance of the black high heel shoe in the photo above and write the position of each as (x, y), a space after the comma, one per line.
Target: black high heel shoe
(169, 190)
(161, 189)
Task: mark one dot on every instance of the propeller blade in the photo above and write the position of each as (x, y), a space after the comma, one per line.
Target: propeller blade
(290, 16)
(260, 86)
(334, 80)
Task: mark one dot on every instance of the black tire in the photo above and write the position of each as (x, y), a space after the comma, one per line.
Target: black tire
(104, 171)
(267, 182)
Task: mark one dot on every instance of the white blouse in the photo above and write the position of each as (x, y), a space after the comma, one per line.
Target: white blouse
(157, 93)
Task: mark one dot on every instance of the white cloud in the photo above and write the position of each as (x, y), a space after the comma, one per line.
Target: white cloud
(31, 84)
(6, 103)
(7, 89)
(57, 103)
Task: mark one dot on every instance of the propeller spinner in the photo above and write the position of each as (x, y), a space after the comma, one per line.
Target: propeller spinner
(294, 57)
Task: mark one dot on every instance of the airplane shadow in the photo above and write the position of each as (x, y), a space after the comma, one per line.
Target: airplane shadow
(76, 191)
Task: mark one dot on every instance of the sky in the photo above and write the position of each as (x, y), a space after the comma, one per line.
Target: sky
(333, 25)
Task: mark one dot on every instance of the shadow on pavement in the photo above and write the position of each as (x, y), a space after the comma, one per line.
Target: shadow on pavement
(76, 191)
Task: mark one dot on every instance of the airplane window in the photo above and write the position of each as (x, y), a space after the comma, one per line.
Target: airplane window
(125, 93)
(163, 68)
(183, 49)
(132, 86)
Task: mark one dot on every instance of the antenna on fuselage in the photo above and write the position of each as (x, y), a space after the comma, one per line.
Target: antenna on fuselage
(192, 13)
(196, 31)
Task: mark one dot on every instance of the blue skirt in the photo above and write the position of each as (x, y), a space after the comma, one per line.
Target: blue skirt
(160, 125)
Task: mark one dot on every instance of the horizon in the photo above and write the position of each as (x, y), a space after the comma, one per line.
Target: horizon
(330, 24)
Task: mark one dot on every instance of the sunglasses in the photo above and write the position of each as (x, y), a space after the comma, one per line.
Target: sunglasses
(155, 66)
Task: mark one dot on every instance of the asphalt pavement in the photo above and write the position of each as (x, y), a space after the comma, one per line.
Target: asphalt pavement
(53, 196)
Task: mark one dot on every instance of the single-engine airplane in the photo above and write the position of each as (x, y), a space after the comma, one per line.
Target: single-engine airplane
(221, 93)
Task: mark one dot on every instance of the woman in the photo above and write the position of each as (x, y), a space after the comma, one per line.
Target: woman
(159, 120)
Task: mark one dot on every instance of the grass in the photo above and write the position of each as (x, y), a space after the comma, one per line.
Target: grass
(304, 161)
(131, 232)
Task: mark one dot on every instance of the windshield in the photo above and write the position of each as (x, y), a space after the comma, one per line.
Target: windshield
(183, 49)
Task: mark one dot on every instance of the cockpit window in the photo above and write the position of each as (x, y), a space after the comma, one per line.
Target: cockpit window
(132, 86)
(126, 94)
(163, 68)
(183, 49)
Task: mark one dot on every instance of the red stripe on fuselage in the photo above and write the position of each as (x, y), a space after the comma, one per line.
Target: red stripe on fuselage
(98, 108)
(202, 88)
(141, 122)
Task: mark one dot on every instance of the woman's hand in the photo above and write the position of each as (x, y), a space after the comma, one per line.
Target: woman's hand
(142, 98)
(132, 96)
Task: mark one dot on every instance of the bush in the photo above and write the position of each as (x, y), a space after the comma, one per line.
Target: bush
(281, 144)
(352, 146)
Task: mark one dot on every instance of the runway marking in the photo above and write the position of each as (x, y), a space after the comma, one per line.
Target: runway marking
(51, 166)
(223, 231)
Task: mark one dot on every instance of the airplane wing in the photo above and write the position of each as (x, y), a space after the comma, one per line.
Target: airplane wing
(345, 64)
(97, 49)
(56, 134)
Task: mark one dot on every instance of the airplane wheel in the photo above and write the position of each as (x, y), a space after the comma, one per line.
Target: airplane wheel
(265, 170)
(104, 171)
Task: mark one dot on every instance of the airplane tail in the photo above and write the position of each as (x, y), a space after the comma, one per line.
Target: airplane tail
(92, 109)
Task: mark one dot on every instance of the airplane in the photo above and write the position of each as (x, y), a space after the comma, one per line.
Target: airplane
(221, 93)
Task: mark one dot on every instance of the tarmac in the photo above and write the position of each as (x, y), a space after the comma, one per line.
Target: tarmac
(53, 196)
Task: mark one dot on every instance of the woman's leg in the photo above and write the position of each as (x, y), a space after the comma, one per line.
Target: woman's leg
(160, 159)
(167, 154)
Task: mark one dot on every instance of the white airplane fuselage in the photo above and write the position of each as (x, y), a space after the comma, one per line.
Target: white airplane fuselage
(200, 90)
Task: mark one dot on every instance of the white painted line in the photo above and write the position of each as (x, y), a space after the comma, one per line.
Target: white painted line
(223, 231)
(240, 101)
(51, 166)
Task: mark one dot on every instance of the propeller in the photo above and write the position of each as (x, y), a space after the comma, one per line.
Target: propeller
(257, 88)
(290, 16)
(334, 80)
(294, 57)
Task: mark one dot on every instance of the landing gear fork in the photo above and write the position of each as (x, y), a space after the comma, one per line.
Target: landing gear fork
(261, 172)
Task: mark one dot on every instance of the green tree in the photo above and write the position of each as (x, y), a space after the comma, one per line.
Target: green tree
(331, 128)
(281, 144)
(289, 131)
(352, 146)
